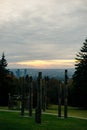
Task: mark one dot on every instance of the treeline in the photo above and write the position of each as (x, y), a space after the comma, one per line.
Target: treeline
(12, 85)
(77, 86)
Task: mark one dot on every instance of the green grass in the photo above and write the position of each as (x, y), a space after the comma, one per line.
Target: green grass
(13, 121)
(72, 111)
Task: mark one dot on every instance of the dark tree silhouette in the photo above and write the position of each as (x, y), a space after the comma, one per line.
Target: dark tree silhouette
(3, 65)
(80, 77)
(3, 81)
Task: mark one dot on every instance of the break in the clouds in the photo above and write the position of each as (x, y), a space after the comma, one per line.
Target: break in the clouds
(48, 32)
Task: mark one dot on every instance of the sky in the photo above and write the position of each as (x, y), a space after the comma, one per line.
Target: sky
(42, 34)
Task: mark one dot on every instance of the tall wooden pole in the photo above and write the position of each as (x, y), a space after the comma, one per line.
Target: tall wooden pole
(44, 93)
(30, 96)
(23, 94)
(59, 99)
(39, 99)
(22, 98)
(9, 101)
(65, 95)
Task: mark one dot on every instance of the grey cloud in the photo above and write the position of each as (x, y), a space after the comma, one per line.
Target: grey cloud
(52, 30)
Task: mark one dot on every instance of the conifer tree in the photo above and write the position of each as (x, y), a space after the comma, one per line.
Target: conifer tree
(80, 77)
(3, 71)
(3, 81)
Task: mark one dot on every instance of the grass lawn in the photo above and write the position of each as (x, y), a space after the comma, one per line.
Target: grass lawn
(13, 121)
(72, 111)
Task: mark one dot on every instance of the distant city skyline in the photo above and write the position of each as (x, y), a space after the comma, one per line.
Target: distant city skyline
(42, 34)
(51, 73)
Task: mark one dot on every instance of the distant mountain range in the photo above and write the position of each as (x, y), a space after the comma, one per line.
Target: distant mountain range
(52, 73)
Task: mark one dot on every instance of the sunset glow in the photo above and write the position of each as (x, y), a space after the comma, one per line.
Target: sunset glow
(46, 64)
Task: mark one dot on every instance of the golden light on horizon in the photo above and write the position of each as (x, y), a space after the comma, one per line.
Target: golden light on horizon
(46, 63)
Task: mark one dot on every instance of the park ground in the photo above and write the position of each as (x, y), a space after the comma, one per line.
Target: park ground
(12, 120)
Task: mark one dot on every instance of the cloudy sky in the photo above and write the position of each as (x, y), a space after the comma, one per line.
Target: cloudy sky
(42, 33)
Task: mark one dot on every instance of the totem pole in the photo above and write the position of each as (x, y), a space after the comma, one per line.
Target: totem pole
(65, 95)
(59, 99)
(39, 99)
(30, 96)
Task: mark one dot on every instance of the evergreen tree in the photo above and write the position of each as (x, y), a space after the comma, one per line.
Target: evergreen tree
(3, 62)
(80, 77)
(3, 81)
(3, 70)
